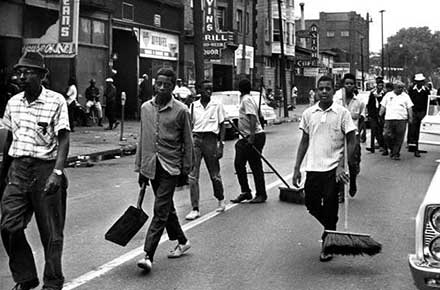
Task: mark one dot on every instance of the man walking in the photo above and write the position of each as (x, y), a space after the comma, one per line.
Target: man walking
(325, 128)
(92, 97)
(249, 126)
(346, 97)
(376, 124)
(110, 104)
(396, 106)
(34, 155)
(419, 95)
(208, 135)
(165, 151)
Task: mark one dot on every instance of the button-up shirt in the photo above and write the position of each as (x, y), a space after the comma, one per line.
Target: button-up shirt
(35, 125)
(165, 136)
(207, 119)
(326, 130)
(248, 106)
(355, 106)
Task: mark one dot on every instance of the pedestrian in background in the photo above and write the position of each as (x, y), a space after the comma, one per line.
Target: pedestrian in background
(396, 106)
(71, 97)
(419, 95)
(33, 161)
(208, 119)
(325, 128)
(373, 107)
(294, 96)
(182, 93)
(93, 101)
(110, 104)
(346, 97)
(312, 97)
(250, 127)
(145, 91)
(165, 151)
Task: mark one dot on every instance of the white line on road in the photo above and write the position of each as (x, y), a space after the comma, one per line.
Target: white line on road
(87, 277)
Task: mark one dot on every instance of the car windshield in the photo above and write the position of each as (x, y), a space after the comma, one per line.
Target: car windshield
(226, 98)
(434, 105)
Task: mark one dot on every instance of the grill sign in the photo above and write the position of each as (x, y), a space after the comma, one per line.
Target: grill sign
(66, 21)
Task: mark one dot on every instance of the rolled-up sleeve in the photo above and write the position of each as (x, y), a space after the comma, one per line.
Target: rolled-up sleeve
(304, 124)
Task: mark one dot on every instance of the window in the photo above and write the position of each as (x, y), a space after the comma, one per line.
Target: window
(330, 34)
(266, 30)
(276, 30)
(92, 31)
(157, 20)
(239, 21)
(221, 18)
(345, 34)
(291, 33)
(127, 11)
(247, 22)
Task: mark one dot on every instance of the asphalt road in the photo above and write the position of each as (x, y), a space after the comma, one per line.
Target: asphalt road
(265, 246)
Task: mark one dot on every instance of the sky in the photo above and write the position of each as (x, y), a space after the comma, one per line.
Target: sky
(398, 14)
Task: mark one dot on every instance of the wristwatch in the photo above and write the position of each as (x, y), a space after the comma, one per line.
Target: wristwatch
(58, 172)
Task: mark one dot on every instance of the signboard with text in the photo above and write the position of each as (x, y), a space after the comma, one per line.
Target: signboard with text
(159, 45)
(66, 21)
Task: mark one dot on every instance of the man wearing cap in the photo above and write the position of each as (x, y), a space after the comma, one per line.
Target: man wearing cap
(32, 177)
(92, 97)
(396, 106)
(419, 95)
(110, 104)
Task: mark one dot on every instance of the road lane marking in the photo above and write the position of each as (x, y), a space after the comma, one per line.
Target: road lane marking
(101, 270)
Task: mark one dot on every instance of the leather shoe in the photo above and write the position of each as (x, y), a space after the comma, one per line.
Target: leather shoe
(370, 149)
(385, 152)
(242, 197)
(417, 154)
(26, 285)
(258, 199)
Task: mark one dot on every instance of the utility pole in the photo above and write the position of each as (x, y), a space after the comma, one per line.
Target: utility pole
(282, 64)
(382, 54)
(362, 63)
(198, 41)
(243, 52)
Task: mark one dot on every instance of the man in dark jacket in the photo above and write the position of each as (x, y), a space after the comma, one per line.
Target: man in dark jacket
(419, 95)
(376, 123)
(92, 97)
(110, 104)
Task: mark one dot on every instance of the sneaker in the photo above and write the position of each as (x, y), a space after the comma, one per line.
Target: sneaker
(221, 206)
(242, 197)
(179, 250)
(145, 263)
(192, 215)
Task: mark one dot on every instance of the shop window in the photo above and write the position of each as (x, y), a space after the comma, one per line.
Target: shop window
(239, 21)
(266, 29)
(92, 31)
(127, 11)
(330, 34)
(345, 34)
(98, 35)
(85, 31)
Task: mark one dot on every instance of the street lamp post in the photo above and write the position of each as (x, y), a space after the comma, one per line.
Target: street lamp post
(381, 21)
(362, 63)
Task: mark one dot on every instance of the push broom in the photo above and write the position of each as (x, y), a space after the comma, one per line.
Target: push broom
(347, 243)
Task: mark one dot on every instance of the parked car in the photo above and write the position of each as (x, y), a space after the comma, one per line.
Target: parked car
(425, 262)
(231, 103)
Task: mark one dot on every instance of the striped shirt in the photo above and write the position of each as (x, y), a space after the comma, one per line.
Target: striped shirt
(35, 126)
(326, 130)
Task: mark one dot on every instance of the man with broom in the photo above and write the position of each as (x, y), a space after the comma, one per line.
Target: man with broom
(325, 126)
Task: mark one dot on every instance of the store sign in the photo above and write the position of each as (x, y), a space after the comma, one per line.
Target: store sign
(249, 55)
(159, 45)
(314, 42)
(52, 49)
(212, 52)
(306, 62)
(66, 21)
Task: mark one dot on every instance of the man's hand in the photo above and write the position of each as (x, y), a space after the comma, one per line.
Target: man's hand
(341, 175)
(251, 139)
(219, 152)
(53, 183)
(296, 179)
(143, 179)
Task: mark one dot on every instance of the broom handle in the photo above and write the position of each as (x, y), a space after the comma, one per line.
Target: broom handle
(261, 155)
(141, 195)
(346, 186)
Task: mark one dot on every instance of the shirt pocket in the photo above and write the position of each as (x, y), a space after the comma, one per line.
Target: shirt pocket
(44, 132)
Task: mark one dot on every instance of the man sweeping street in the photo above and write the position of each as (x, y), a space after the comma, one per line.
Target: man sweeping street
(165, 152)
(33, 161)
(325, 126)
(208, 119)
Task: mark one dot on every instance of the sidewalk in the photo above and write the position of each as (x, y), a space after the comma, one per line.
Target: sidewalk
(92, 144)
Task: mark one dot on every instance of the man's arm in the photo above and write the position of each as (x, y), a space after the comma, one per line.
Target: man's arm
(253, 128)
(301, 152)
(6, 163)
(54, 181)
(188, 144)
(410, 114)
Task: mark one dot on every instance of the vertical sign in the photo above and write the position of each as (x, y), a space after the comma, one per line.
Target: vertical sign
(209, 17)
(66, 21)
(314, 44)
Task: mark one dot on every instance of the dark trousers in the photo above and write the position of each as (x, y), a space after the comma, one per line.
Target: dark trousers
(376, 132)
(23, 196)
(414, 129)
(165, 216)
(205, 146)
(321, 197)
(245, 153)
(393, 134)
(72, 110)
(110, 113)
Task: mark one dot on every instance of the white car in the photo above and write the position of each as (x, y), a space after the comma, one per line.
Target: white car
(430, 128)
(231, 103)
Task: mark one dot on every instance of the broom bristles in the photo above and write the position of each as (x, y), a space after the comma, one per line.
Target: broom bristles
(349, 244)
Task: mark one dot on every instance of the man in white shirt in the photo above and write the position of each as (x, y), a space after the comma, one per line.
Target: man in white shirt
(181, 92)
(208, 134)
(72, 94)
(397, 108)
(325, 127)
